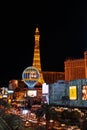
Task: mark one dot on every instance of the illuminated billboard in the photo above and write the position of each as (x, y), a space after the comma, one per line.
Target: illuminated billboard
(45, 88)
(84, 92)
(30, 76)
(32, 93)
(10, 91)
(72, 93)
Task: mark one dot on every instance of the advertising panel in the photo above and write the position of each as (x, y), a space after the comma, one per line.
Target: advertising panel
(32, 93)
(84, 92)
(72, 93)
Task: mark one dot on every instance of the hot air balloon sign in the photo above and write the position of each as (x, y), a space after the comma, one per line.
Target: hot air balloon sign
(30, 76)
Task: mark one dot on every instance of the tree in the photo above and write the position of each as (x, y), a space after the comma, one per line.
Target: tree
(4, 125)
(14, 121)
(9, 121)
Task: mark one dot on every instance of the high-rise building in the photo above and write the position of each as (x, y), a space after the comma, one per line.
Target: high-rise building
(76, 68)
(45, 76)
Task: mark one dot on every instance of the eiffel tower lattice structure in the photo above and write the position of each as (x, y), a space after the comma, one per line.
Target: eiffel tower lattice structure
(36, 57)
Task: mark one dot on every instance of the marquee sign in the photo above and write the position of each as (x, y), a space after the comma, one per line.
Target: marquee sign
(30, 76)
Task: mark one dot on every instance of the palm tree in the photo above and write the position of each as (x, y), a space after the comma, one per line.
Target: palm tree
(14, 121)
(9, 121)
(50, 113)
(4, 125)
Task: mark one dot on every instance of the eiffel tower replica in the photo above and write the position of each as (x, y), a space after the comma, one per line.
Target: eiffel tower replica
(36, 57)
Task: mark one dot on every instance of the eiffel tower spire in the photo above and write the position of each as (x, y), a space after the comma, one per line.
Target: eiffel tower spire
(36, 58)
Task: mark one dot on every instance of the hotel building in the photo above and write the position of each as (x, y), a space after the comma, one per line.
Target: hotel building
(76, 68)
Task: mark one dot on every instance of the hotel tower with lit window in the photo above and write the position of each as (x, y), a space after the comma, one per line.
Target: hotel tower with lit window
(76, 69)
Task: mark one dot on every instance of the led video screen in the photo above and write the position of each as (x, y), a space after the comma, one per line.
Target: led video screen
(45, 88)
(32, 93)
(72, 93)
(84, 92)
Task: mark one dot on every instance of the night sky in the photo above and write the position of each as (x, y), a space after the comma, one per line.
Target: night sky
(63, 34)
